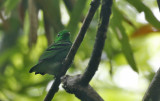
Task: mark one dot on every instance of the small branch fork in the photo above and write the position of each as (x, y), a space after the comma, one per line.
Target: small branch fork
(79, 84)
(84, 93)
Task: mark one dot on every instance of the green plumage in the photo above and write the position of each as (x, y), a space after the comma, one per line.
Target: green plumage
(50, 61)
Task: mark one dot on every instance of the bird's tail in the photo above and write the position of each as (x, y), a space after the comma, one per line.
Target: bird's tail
(33, 69)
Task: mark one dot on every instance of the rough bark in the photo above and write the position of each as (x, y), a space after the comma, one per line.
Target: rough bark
(85, 93)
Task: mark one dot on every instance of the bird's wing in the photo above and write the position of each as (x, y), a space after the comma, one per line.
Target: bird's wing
(54, 49)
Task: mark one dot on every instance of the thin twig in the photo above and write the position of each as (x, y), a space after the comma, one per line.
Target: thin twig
(99, 44)
(54, 88)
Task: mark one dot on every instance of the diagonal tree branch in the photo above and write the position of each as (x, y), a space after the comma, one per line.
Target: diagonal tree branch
(99, 44)
(54, 88)
(153, 92)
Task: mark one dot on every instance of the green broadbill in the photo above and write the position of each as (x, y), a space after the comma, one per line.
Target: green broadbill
(51, 60)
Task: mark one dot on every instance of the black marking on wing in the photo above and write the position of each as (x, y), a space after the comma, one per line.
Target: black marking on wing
(42, 73)
(61, 44)
(50, 49)
(61, 49)
(31, 70)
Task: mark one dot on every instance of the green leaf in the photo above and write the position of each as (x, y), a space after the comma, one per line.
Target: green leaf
(76, 15)
(108, 47)
(148, 13)
(51, 10)
(116, 25)
(10, 5)
(1, 3)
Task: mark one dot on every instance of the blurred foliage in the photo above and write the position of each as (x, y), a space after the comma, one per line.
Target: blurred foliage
(131, 46)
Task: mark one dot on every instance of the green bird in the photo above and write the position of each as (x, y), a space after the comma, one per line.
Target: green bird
(51, 60)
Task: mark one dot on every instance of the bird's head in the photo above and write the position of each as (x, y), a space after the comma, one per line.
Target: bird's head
(63, 36)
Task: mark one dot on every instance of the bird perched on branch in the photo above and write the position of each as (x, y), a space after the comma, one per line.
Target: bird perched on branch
(51, 60)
